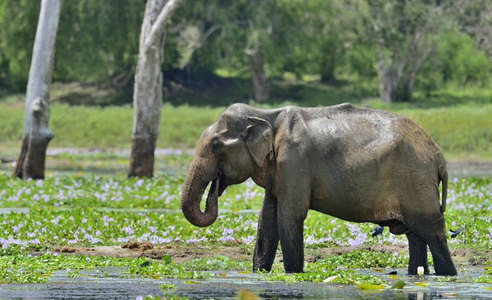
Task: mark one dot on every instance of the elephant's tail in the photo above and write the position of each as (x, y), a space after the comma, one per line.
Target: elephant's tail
(443, 176)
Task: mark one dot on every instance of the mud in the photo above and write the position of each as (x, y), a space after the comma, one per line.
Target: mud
(180, 252)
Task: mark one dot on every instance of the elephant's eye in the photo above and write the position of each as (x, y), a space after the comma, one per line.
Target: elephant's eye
(216, 145)
(246, 134)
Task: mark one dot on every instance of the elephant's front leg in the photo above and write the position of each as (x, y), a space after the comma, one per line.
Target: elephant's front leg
(267, 239)
(293, 205)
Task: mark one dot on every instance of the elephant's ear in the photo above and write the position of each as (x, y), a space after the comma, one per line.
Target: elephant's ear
(259, 139)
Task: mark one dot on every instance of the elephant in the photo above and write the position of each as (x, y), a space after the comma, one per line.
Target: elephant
(353, 163)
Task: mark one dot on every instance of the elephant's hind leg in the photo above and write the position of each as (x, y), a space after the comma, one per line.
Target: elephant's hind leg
(418, 253)
(443, 264)
(416, 244)
(433, 231)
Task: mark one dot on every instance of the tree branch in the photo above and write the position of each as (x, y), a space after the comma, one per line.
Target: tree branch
(160, 22)
(422, 60)
(208, 33)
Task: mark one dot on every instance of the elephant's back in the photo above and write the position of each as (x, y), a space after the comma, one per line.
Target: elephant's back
(367, 159)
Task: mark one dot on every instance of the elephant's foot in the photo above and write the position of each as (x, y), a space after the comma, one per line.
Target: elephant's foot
(443, 264)
(262, 264)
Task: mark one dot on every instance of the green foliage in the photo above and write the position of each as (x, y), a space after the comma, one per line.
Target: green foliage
(336, 41)
(18, 21)
(104, 210)
(91, 211)
(461, 61)
(98, 40)
(363, 259)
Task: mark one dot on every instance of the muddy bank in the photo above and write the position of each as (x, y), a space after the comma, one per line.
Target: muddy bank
(180, 252)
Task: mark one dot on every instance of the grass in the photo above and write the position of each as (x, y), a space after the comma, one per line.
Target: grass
(110, 127)
(461, 131)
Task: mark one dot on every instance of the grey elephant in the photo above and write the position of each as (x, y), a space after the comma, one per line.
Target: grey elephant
(357, 164)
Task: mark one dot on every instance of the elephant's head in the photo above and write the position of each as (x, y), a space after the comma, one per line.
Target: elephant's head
(228, 152)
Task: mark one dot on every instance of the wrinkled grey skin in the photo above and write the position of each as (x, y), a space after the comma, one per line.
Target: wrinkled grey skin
(357, 164)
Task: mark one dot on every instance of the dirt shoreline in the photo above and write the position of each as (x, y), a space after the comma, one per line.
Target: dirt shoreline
(181, 252)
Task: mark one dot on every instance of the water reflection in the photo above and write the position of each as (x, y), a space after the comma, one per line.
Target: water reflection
(90, 285)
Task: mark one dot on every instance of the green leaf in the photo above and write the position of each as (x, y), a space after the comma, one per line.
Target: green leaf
(193, 282)
(399, 285)
(331, 278)
(367, 286)
(146, 264)
(422, 284)
(167, 258)
(222, 258)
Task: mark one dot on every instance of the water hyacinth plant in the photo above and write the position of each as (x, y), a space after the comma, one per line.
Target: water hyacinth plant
(99, 210)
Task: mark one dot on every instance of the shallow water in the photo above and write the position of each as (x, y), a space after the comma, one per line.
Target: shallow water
(231, 285)
(66, 161)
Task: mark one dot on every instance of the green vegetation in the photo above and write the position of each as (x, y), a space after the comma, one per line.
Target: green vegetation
(314, 53)
(92, 211)
(437, 44)
(461, 131)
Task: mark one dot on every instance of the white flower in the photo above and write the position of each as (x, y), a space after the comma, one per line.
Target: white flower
(420, 270)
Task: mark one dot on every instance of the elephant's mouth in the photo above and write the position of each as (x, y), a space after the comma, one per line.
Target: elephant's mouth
(218, 185)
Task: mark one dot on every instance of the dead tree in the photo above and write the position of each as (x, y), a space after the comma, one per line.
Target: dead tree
(147, 95)
(37, 134)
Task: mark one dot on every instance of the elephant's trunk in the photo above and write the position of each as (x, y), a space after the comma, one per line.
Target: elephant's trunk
(194, 188)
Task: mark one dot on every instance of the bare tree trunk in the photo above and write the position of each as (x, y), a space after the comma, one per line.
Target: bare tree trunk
(389, 76)
(147, 95)
(409, 80)
(327, 68)
(387, 88)
(261, 86)
(37, 134)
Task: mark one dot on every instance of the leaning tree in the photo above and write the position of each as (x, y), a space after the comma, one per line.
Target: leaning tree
(147, 94)
(37, 134)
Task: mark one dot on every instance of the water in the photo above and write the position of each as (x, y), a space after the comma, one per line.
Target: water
(235, 285)
(62, 162)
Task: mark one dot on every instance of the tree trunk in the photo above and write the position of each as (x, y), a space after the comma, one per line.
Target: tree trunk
(409, 80)
(387, 88)
(147, 95)
(407, 89)
(327, 68)
(37, 134)
(261, 86)
(389, 76)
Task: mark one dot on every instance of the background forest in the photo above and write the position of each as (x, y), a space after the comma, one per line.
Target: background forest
(418, 46)
(411, 57)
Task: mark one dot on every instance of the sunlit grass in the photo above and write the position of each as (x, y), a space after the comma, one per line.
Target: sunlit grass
(461, 131)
